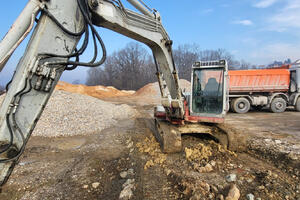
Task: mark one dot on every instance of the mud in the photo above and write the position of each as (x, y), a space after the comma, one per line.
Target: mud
(89, 167)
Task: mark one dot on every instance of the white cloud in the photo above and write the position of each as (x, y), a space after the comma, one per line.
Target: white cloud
(275, 51)
(288, 17)
(265, 3)
(245, 22)
(207, 11)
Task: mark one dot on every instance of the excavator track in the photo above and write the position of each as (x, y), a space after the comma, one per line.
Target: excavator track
(169, 135)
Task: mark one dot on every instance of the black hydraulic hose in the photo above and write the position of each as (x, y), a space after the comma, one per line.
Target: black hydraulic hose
(8, 123)
(73, 66)
(24, 140)
(60, 25)
(84, 10)
(77, 53)
(11, 139)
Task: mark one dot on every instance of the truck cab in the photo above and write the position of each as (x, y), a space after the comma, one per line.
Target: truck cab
(295, 78)
(295, 85)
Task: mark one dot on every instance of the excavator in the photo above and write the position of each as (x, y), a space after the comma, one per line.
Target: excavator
(60, 33)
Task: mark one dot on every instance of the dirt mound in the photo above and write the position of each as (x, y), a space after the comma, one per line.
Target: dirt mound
(152, 89)
(94, 91)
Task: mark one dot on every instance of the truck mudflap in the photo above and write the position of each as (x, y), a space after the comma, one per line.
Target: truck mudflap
(169, 135)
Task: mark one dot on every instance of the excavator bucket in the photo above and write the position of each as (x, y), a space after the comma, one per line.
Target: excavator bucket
(169, 135)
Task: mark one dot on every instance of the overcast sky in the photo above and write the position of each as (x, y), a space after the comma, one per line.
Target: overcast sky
(258, 31)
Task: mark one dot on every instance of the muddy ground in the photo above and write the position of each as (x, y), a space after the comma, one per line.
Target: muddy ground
(126, 158)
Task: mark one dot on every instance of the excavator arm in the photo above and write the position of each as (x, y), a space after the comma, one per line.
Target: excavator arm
(52, 49)
(148, 29)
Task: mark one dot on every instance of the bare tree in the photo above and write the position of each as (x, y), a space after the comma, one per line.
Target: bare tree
(245, 65)
(130, 69)
(184, 57)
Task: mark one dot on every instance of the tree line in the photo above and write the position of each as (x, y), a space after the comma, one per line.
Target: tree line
(132, 67)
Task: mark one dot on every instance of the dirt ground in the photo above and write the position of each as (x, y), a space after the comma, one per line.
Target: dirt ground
(126, 158)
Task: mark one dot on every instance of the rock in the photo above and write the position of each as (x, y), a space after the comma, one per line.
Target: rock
(196, 196)
(213, 163)
(95, 185)
(168, 172)
(130, 172)
(234, 193)
(85, 186)
(129, 182)
(261, 187)
(292, 156)
(268, 140)
(214, 189)
(126, 194)
(275, 175)
(249, 180)
(207, 168)
(278, 142)
(220, 197)
(250, 197)
(231, 178)
(269, 172)
(130, 145)
(123, 174)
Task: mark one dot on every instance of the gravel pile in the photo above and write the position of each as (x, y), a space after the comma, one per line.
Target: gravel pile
(68, 114)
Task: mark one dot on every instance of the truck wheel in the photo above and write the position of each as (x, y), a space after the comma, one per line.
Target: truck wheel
(241, 105)
(278, 105)
(297, 106)
(232, 105)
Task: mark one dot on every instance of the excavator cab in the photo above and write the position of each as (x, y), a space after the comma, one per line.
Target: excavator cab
(208, 98)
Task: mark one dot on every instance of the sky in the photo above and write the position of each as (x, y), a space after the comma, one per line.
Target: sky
(257, 31)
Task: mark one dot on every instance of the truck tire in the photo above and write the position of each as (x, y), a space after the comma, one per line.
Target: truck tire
(297, 106)
(241, 105)
(232, 105)
(278, 105)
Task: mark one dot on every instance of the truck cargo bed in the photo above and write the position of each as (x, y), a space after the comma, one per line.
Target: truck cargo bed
(262, 80)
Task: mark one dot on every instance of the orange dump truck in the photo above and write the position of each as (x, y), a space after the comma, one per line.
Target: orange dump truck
(272, 88)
